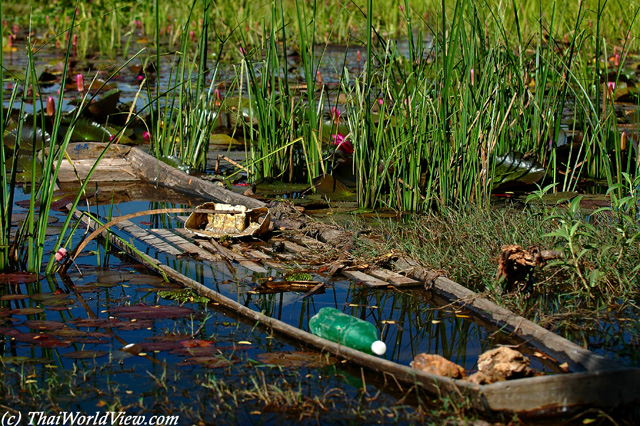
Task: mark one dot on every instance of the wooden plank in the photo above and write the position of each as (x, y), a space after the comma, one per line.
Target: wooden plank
(186, 245)
(295, 248)
(214, 247)
(147, 238)
(365, 279)
(264, 258)
(393, 278)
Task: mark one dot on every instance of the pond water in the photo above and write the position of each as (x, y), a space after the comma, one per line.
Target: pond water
(117, 335)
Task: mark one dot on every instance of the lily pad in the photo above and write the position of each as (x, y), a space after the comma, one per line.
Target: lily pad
(87, 131)
(222, 139)
(28, 137)
(27, 311)
(14, 297)
(85, 354)
(20, 278)
(40, 339)
(48, 296)
(135, 325)
(96, 322)
(141, 279)
(515, 169)
(151, 312)
(43, 325)
(114, 278)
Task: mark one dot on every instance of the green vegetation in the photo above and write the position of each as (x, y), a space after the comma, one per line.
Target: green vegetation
(432, 108)
(429, 124)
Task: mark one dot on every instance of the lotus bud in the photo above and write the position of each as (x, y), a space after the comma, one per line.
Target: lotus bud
(16, 30)
(380, 101)
(192, 35)
(146, 135)
(616, 60)
(335, 115)
(74, 40)
(358, 56)
(623, 141)
(80, 82)
(472, 72)
(51, 106)
(319, 76)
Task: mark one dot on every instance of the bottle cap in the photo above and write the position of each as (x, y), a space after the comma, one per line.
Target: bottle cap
(378, 347)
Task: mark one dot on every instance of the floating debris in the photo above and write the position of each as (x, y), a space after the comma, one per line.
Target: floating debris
(436, 364)
(501, 364)
(232, 221)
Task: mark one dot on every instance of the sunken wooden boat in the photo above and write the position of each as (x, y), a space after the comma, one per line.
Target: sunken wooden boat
(592, 381)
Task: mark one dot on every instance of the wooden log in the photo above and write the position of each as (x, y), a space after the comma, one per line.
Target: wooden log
(562, 350)
(157, 172)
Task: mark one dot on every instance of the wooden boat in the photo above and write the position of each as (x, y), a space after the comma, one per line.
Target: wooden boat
(593, 381)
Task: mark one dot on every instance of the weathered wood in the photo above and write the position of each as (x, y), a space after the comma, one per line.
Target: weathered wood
(264, 258)
(82, 157)
(564, 393)
(215, 247)
(393, 278)
(110, 170)
(365, 279)
(147, 238)
(578, 358)
(162, 174)
(186, 245)
(295, 248)
(123, 163)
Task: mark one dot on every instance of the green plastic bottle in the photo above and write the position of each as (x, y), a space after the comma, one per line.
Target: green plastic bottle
(334, 325)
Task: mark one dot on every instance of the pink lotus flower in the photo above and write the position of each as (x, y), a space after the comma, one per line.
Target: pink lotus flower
(146, 135)
(61, 254)
(611, 86)
(342, 144)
